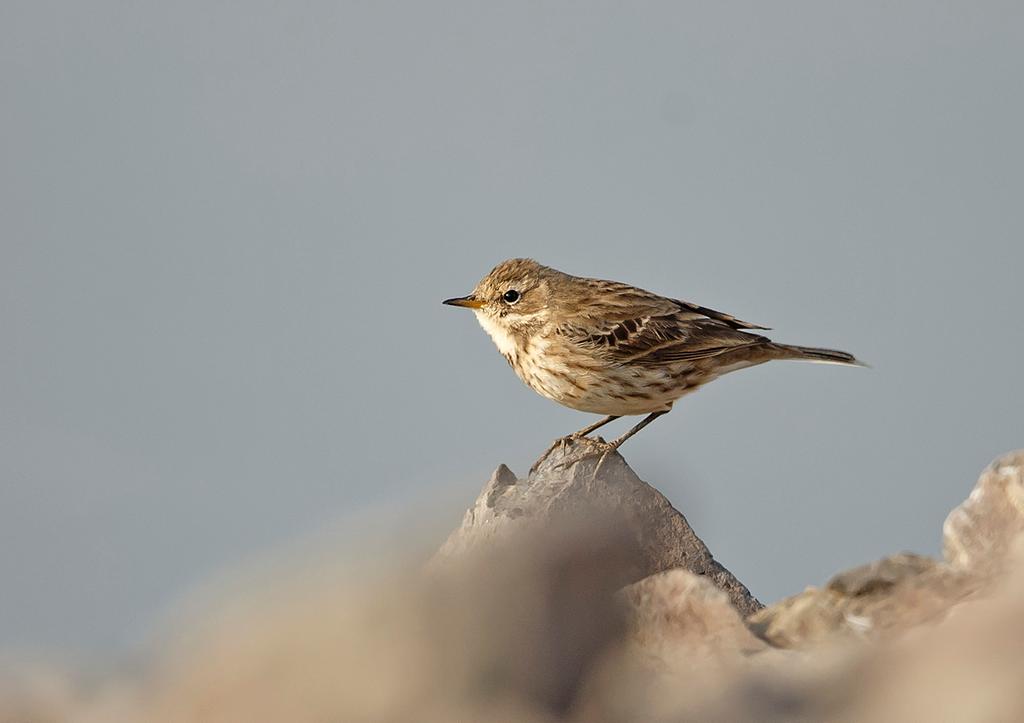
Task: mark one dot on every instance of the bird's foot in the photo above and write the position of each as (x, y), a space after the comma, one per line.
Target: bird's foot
(610, 448)
(593, 447)
(561, 443)
(558, 444)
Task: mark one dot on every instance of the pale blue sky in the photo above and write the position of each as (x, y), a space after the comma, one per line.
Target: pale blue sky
(226, 229)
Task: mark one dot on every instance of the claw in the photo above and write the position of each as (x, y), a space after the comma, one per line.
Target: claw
(557, 444)
(595, 447)
(604, 456)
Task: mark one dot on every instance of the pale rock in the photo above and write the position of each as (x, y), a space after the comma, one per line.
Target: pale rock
(574, 489)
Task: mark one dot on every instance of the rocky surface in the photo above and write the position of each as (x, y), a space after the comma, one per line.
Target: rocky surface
(579, 595)
(874, 600)
(892, 594)
(979, 534)
(566, 489)
(904, 590)
(681, 618)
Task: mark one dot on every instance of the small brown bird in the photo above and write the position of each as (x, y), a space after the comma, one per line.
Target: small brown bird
(611, 348)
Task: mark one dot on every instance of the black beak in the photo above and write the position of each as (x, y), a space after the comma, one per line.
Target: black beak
(468, 302)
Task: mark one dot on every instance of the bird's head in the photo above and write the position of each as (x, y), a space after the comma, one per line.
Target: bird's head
(514, 298)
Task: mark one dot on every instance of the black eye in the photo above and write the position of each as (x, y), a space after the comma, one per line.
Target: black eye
(511, 296)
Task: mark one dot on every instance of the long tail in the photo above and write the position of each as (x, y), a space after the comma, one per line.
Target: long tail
(814, 354)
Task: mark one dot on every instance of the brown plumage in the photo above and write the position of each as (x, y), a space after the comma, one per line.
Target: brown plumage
(611, 348)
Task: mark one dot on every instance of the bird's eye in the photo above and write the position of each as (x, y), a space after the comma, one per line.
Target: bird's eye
(511, 296)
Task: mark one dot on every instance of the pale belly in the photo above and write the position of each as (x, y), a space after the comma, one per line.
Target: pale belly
(588, 386)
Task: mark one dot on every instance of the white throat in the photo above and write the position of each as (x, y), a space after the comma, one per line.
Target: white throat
(502, 339)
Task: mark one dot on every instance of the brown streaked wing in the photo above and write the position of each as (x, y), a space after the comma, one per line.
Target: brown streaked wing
(632, 326)
(615, 301)
(666, 339)
(726, 319)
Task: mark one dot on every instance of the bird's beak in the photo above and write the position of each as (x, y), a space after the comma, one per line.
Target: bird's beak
(470, 302)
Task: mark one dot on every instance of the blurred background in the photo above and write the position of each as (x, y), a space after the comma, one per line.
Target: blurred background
(225, 230)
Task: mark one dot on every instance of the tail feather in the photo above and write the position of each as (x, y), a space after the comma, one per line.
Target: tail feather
(814, 354)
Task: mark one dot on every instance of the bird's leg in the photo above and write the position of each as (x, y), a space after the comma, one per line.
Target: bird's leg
(561, 441)
(606, 448)
(616, 443)
(593, 427)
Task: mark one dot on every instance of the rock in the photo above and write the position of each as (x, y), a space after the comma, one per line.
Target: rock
(881, 576)
(905, 590)
(868, 601)
(977, 534)
(684, 620)
(570, 489)
(533, 625)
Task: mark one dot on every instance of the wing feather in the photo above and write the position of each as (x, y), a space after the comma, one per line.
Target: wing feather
(631, 326)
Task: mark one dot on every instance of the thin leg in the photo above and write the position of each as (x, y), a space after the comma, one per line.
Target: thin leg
(643, 423)
(595, 426)
(615, 444)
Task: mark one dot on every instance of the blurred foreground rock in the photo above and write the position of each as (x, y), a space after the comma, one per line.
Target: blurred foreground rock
(684, 619)
(567, 491)
(558, 621)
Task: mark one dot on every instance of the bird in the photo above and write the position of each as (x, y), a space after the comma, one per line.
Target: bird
(613, 349)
